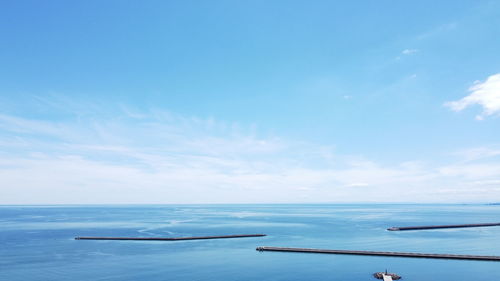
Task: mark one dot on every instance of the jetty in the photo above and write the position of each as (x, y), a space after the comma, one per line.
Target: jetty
(387, 254)
(169, 238)
(402, 228)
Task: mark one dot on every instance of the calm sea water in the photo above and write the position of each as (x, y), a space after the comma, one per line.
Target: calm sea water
(37, 242)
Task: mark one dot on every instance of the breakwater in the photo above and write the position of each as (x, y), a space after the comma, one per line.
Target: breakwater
(169, 238)
(402, 228)
(375, 253)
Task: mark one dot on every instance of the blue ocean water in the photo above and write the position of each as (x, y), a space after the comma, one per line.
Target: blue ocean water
(37, 242)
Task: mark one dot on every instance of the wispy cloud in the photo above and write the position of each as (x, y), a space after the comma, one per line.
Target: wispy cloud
(437, 30)
(479, 153)
(409, 51)
(154, 156)
(486, 94)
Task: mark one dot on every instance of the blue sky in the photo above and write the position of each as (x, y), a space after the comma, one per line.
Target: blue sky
(249, 101)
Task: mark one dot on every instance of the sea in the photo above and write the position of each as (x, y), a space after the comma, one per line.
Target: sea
(37, 242)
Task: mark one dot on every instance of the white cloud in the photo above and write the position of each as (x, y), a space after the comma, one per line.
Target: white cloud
(479, 153)
(409, 51)
(483, 171)
(162, 157)
(486, 94)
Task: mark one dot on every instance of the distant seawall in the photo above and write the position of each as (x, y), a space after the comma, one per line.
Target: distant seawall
(169, 238)
(375, 253)
(402, 228)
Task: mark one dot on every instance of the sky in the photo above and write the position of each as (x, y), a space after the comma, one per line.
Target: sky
(191, 102)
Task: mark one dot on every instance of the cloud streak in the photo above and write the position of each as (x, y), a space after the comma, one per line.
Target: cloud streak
(161, 157)
(409, 51)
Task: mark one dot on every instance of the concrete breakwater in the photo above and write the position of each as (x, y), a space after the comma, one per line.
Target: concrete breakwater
(375, 253)
(402, 228)
(169, 238)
